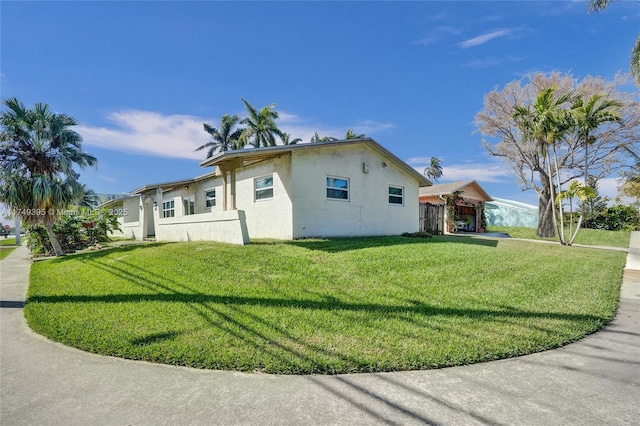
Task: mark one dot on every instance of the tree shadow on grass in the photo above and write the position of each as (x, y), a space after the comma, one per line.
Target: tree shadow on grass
(93, 255)
(335, 245)
(234, 315)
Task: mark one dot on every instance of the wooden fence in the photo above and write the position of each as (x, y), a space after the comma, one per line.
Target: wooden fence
(431, 218)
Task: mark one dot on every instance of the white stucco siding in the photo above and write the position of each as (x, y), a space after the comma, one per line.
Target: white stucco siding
(368, 211)
(272, 217)
(128, 211)
(201, 187)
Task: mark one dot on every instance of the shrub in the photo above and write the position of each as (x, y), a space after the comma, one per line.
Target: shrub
(76, 231)
(617, 218)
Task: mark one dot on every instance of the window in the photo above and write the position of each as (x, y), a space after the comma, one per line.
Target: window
(168, 209)
(210, 198)
(264, 187)
(396, 195)
(338, 188)
(189, 204)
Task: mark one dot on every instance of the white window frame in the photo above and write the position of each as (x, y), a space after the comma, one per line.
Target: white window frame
(257, 190)
(401, 196)
(209, 202)
(335, 188)
(168, 208)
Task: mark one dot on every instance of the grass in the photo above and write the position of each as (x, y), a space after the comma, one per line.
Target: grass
(7, 241)
(325, 306)
(589, 237)
(6, 251)
(7, 245)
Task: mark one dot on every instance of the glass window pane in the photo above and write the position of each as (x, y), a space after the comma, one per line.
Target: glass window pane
(337, 183)
(395, 200)
(337, 193)
(264, 193)
(264, 182)
(395, 191)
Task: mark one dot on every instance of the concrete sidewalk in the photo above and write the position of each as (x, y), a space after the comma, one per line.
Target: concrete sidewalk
(594, 381)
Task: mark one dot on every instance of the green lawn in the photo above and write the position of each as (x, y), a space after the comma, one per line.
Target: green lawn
(590, 237)
(5, 251)
(325, 306)
(11, 241)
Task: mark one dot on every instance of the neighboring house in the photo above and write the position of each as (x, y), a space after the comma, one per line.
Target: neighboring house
(468, 209)
(338, 188)
(501, 212)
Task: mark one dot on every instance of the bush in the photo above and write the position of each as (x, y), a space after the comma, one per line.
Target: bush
(74, 231)
(617, 218)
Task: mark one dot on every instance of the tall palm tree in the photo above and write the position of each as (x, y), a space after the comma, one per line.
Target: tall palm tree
(434, 170)
(634, 61)
(589, 116)
(225, 139)
(352, 135)
(261, 126)
(546, 122)
(38, 153)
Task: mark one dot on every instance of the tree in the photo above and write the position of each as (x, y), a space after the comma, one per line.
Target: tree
(593, 206)
(588, 117)
(261, 126)
(544, 124)
(316, 138)
(352, 135)
(434, 170)
(225, 139)
(583, 193)
(634, 61)
(286, 139)
(38, 152)
(503, 138)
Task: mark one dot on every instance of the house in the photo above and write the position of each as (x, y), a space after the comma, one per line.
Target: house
(329, 189)
(470, 200)
(501, 212)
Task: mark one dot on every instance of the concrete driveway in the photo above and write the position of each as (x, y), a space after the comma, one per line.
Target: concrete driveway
(594, 381)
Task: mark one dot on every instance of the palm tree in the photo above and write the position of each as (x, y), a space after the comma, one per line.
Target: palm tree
(316, 138)
(546, 123)
(589, 117)
(352, 135)
(38, 152)
(261, 126)
(583, 193)
(634, 61)
(434, 170)
(286, 139)
(87, 198)
(225, 139)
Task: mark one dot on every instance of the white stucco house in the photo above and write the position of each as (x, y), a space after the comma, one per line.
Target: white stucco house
(329, 189)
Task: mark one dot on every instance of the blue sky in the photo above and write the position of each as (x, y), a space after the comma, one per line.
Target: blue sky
(142, 77)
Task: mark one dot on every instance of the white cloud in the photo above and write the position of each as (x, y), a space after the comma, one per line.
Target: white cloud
(146, 132)
(482, 172)
(177, 136)
(484, 38)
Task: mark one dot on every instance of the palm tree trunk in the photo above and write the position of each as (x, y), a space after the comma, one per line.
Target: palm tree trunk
(561, 233)
(546, 227)
(57, 248)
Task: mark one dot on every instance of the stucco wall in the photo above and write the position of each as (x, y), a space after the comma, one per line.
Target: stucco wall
(368, 211)
(226, 227)
(129, 212)
(270, 218)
